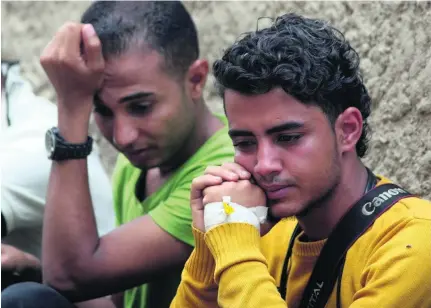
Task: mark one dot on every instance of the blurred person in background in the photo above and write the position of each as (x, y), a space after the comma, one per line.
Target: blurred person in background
(25, 170)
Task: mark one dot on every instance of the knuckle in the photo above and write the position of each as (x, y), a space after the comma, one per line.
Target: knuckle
(244, 184)
(94, 43)
(196, 181)
(65, 61)
(47, 60)
(44, 59)
(208, 169)
(70, 26)
(226, 184)
(206, 200)
(230, 185)
(208, 190)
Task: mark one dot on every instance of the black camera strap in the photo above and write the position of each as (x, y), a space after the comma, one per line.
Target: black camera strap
(357, 220)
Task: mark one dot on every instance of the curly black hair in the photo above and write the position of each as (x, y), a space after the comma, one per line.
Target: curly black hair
(164, 26)
(307, 58)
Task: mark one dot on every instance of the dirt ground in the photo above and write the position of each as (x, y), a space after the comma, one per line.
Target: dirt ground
(393, 39)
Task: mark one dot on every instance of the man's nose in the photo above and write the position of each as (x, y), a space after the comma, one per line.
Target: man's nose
(125, 133)
(269, 162)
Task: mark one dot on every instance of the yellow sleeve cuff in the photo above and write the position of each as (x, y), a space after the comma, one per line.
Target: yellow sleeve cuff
(201, 263)
(233, 243)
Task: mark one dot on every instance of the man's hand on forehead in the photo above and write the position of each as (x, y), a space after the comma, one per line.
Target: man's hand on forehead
(74, 64)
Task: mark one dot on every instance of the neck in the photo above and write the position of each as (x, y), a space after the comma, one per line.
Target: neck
(206, 125)
(322, 219)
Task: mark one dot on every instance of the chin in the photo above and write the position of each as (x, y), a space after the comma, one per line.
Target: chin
(282, 209)
(145, 164)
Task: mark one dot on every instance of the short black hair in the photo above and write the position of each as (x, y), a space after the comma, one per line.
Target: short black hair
(164, 26)
(307, 58)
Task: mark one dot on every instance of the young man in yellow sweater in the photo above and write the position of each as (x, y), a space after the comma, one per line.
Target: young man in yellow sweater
(297, 111)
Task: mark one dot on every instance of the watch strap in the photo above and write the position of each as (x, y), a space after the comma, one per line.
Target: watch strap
(64, 150)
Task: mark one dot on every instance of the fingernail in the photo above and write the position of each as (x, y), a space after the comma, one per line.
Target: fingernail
(88, 30)
(245, 174)
(233, 175)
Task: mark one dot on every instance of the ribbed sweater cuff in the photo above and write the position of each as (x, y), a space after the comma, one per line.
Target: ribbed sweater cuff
(233, 243)
(201, 263)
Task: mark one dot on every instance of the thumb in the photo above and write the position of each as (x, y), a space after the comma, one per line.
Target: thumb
(198, 185)
(92, 49)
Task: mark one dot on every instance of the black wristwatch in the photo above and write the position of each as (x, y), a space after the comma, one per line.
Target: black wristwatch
(59, 149)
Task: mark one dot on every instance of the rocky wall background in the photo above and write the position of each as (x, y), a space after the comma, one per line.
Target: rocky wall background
(393, 39)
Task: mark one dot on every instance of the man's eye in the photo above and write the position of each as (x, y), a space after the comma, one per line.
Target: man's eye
(244, 145)
(288, 138)
(103, 111)
(139, 108)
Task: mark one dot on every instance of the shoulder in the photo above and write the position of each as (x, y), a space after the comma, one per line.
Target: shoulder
(406, 209)
(407, 223)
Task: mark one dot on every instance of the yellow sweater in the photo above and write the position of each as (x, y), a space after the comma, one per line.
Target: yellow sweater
(388, 266)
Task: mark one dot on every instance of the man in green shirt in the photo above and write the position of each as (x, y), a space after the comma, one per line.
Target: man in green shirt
(137, 64)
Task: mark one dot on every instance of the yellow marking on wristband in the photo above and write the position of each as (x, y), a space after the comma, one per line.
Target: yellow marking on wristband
(227, 208)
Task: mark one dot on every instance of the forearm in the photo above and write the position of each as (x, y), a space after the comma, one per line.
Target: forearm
(197, 287)
(103, 302)
(241, 270)
(70, 235)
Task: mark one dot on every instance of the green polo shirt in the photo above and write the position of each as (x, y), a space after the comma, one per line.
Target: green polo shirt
(169, 207)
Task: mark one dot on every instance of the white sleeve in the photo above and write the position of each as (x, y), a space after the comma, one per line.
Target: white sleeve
(24, 178)
(101, 195)
(25, 167)
(25, 171)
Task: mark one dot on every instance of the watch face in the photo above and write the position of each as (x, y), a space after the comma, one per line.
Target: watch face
(49, 142)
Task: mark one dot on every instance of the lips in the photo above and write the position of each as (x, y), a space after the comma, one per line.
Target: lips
(277, 192)
(136, 153)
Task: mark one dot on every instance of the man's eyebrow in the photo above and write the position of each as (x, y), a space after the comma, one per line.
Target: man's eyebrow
(284, 127)
(135, 96)
(272, 130)
(239, 133)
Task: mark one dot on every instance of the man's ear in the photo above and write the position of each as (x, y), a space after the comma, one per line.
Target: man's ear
(348, 129)
(196, 78)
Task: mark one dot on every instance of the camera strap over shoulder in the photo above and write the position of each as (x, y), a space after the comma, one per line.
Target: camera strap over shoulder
(357, 220)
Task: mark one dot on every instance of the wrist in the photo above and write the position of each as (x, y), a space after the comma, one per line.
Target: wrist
(201, 263)
(73, 126)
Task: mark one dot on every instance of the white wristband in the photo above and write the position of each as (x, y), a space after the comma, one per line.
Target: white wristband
(217, 213)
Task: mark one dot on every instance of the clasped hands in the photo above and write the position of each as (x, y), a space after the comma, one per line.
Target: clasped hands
(231, 180)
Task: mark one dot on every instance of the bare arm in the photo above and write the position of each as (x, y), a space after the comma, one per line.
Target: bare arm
(103, 302)
(75, 258)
